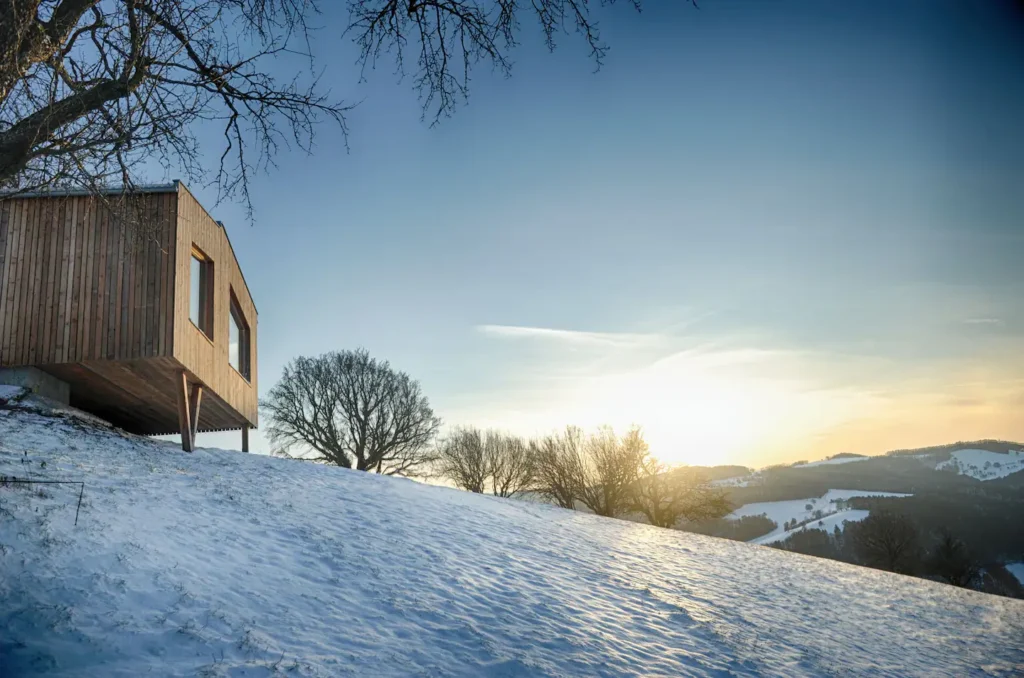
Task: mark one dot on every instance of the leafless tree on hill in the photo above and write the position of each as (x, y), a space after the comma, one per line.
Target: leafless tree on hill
(665, 496)
(596, 470)
(462, 460)
(559, 467)
(952, 560)
(90, 90)
(611, 467)
(885, 540)
(353, 411)
(473, 460)
(510, 463)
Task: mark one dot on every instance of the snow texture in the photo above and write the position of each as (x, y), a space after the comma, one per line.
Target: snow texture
(985, 465)
(796, 509)
(220, 563)
(8, 391)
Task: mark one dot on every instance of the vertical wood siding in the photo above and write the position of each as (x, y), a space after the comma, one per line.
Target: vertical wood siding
(75, 285)
(208, 359)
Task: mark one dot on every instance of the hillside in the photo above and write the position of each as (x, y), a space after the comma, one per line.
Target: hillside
(977, 466)
(973, 490)
(823, 512)
(220, 563)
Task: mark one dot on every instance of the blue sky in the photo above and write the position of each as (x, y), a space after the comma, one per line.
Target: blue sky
(763, 231)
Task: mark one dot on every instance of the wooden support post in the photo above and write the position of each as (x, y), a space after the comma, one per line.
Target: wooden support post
(194, 401)
(184, 420)
(190, 397)
(245, 437)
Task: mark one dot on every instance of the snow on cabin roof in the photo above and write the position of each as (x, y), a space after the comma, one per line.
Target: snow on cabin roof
(112, 190)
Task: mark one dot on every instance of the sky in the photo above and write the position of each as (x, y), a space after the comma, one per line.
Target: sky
(762, 231)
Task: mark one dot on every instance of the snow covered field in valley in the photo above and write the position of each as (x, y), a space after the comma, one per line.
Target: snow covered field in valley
(985, 465)
(220, 563)
(804, 509)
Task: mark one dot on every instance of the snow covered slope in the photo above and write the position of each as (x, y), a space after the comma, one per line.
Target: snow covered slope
(225, 564)
(985, 465)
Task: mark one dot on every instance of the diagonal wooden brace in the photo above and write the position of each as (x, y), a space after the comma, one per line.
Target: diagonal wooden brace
(190, 397)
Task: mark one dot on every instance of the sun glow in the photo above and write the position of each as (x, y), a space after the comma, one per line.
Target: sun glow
(700, 409)
(701, 405)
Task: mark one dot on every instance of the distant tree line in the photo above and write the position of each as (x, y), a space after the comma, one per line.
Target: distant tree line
(891, 541)
(607, 474)
(746, 528)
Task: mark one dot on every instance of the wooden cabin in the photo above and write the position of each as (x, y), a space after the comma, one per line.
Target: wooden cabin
(144, 320)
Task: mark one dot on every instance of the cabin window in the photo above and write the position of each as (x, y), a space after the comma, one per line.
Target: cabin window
(200, 307)
(238, 340)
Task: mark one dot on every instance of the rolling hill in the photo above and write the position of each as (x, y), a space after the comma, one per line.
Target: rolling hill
(973, 490)
(220, 563)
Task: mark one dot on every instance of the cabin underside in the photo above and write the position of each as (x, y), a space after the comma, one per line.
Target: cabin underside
(144, 396)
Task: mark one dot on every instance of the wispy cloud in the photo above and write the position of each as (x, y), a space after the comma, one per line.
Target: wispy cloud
(983, 321)
(572, 337)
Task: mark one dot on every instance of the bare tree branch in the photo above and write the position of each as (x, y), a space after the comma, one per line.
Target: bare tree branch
(91, 90)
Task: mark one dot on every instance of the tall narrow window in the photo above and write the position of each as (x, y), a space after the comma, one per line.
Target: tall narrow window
(238, 340)
(200, 303)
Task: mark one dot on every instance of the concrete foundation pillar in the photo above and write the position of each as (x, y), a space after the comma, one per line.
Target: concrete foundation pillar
(38, 382)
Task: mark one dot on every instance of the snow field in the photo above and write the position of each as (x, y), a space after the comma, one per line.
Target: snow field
(985, 465)
(225, 564)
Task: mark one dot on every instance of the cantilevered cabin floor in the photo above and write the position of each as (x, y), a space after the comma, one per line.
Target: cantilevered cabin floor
(141, 396)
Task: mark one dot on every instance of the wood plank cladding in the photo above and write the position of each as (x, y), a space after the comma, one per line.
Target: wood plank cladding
(205, 357)
(104, 305)
(78, 285)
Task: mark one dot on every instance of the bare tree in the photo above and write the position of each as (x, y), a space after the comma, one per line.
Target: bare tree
(953, 561)
(510, 463)
(885, 540)
(353, 411)
(558, 470)
(596, 470)
(461, 459)
(611, 467)
(473, 459)
(666, 496)
(89, 89)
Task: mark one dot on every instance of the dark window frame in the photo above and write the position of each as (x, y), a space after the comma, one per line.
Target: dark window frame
(244, 367)
(206, 295)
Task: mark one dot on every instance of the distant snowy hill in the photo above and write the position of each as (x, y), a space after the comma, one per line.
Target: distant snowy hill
(226, 564)
(823, 512)
(845, 459)
(983, 464)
